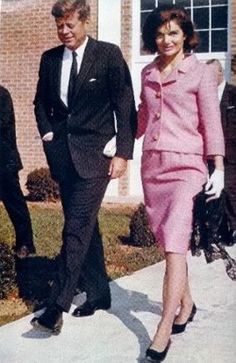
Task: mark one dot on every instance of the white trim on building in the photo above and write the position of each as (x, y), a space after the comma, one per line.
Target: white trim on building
(109, 29)
(109, 21)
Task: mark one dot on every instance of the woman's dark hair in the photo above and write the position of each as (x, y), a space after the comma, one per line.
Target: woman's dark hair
(162, 15)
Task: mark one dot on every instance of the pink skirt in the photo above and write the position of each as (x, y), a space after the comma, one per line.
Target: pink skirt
(170, 182)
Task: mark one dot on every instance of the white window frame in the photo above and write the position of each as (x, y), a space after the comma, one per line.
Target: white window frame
(138, 58)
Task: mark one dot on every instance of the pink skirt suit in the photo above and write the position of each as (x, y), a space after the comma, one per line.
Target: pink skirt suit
(180, 120)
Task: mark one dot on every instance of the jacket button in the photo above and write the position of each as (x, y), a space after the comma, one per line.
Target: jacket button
(158, 115)
(69, 135)
(156, 137)
(158, 94)
(69, 116)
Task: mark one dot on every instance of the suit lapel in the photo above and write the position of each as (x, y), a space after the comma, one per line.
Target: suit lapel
(88, 60)
(223, 105)
(224, 99)
(57, 67)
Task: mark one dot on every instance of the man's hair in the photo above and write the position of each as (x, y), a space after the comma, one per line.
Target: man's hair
(163, 15)
(213, 60)
(63, 8)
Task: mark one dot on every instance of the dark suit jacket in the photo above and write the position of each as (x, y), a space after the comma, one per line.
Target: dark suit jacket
(103, 87)
(9, 157)
(228, 115)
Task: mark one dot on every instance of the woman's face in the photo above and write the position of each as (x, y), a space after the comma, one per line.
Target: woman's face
(170, 39)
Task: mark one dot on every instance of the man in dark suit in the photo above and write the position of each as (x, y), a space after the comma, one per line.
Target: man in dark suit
(227, 96)
(10, 190)
(75, 117)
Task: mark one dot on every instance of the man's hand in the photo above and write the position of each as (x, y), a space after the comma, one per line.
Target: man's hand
(117, 167)
(48, 136)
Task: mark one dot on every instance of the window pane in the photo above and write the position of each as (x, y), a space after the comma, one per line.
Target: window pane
(219, 41)
(204, 42)
(219, 17)
(143, 18)
(183, 3)
(201, 12)
(201, 18)
(216, 2)
(200, 2)
(165, 2)
(147, 4)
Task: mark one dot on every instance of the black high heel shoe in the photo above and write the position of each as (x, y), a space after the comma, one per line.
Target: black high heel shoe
(180, 328)
(154, 356)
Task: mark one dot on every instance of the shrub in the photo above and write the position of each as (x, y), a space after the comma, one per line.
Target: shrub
(140, 232)
(41, 186)
(34, 277)
(7, 271)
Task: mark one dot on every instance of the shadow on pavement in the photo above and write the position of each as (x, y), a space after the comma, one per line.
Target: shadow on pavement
(34, 277)
(126, 304)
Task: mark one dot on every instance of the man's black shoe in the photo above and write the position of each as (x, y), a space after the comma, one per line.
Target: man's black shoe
(89, 308)
(50, 320)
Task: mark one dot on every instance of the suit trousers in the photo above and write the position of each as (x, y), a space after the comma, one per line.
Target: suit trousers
(15, 204)
(81, 259)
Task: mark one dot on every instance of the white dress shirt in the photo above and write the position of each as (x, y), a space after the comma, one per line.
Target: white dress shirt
(65, 75)
(221, 88)
(66, 67)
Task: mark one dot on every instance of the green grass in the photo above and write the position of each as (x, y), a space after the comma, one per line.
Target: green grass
(122, 259)
(47, 220)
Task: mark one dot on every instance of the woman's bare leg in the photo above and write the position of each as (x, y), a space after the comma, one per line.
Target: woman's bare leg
(186, 305)
(174, 285)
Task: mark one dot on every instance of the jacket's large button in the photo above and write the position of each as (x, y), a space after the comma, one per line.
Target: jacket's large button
(158, 115)
(69, 136)
(156, 137)
(158, 94)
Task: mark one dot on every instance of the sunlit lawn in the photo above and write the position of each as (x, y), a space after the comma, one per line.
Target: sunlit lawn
(47, 220)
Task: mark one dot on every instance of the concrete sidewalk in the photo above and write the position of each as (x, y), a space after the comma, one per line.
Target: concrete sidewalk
(122, 334)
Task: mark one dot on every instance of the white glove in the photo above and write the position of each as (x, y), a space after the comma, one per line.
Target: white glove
(48, 136)
(215, 184)
(110, 148)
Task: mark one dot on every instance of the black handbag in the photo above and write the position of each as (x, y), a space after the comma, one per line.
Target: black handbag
(209, 232)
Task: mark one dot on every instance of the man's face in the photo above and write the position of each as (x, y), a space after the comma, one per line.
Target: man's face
(71, 31)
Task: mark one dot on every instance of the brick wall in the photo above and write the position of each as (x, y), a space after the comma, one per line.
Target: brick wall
(27, 29)
(233, 40)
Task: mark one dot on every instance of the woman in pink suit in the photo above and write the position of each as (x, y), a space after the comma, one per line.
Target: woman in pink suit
(179, 117)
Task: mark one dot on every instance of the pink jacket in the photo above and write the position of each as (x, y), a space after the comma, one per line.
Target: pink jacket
(181, 113)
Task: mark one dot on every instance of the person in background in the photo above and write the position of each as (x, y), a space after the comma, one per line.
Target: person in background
(179, 117)
(227, 97)
(82, 84)
(10, 190)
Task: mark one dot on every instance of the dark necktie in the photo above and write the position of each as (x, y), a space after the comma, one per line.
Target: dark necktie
(72, 79)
